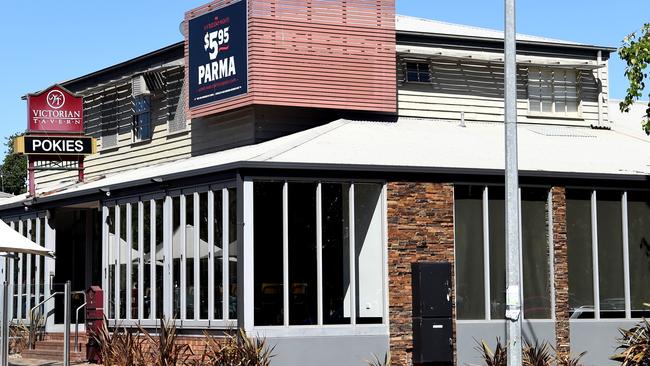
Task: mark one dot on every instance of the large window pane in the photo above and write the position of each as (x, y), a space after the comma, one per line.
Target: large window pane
(123, 248)
(218, 255)
(204, 250)
(336, 252)
(579, 244)
(610, 255)
(368, 248)
(535, 254)
(470, 299)
(496, 214)
(135, 254)
(638, 207)
(267, 233)
(302, 253)
(160, 256)
(232, 252)
(189, 256)
(146, 257)
(111, 263)
(176, 257)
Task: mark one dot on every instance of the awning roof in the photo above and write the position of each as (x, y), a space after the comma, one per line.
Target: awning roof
(12, 242)
(408, 145)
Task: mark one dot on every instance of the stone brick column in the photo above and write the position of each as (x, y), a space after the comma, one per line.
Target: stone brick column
(420, 228)
(561, 271)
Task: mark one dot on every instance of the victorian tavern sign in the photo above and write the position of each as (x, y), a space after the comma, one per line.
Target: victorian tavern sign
(54, 137)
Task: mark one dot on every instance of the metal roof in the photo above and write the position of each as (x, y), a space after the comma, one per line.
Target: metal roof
(409, 24)
(406, 145)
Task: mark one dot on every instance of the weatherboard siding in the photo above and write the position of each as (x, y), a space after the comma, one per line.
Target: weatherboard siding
(475, 88)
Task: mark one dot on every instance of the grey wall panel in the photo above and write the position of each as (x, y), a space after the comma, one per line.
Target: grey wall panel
(327, 351)
(468, 333)
(598, 338)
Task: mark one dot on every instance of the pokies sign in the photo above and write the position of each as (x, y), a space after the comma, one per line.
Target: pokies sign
(55, 110)
(218, 62)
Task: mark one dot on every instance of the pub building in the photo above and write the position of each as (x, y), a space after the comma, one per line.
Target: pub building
(330, 176)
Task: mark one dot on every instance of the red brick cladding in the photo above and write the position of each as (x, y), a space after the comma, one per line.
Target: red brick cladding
(561, 270)
(316, 53)
(420, 228)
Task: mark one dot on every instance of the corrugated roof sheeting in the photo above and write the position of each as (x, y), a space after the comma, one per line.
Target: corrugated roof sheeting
(414, 143)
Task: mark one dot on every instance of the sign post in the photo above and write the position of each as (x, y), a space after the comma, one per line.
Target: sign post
(55, 129)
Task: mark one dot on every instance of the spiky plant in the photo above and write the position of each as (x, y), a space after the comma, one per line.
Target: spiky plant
(537, 354)
(164, 349)
(235, 349)
(569, 360)
(497, 358)
(634, 345)
(376, 361)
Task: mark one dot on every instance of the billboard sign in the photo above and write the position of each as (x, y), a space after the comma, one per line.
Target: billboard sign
(55, 110)
(218, 60)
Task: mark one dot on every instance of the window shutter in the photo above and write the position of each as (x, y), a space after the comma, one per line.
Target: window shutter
(109, 120)
(176, 106)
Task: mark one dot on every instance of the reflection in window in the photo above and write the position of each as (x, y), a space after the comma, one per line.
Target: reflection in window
(638, 207)
(267, 218)
(610, 255)
(146, 257)
(302, 253)
(204, 250)
(368, 248)
(111, 262)
(232, 252)
(189, 256)
(579, 245)
(122, 253)
(535, 254)
(159, 259)
(176, 257)
(135, 255)
(497, 215)
(218, 255)
(469, 252)
(336, 252)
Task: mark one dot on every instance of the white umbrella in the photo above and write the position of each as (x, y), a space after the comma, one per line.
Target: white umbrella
(12, 242)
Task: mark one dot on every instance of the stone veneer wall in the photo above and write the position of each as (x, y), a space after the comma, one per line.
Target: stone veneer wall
(561, 270)
(420, 228)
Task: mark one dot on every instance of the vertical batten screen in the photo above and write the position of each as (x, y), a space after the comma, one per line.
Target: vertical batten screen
(291, 246)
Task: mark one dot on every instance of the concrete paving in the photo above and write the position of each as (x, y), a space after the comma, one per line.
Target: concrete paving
(18, 361)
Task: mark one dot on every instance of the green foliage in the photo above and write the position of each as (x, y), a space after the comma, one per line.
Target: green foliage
(636, 53)
(634, 345)
(14, 169)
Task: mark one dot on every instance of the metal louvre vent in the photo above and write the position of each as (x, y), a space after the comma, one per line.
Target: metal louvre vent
(177, 121)
(139, 86)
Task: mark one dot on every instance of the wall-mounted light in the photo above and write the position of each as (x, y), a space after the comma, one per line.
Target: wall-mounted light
(106, 190)
(157, 180)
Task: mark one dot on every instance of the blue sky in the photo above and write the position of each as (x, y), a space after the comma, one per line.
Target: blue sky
(45, 42)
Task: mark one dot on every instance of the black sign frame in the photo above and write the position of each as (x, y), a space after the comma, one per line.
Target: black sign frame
(217, 46)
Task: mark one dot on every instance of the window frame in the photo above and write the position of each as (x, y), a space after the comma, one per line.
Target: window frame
(287, 330)
(487, 296)
(165, 202)
(141, 118)
(419, 72)
(553, 114)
